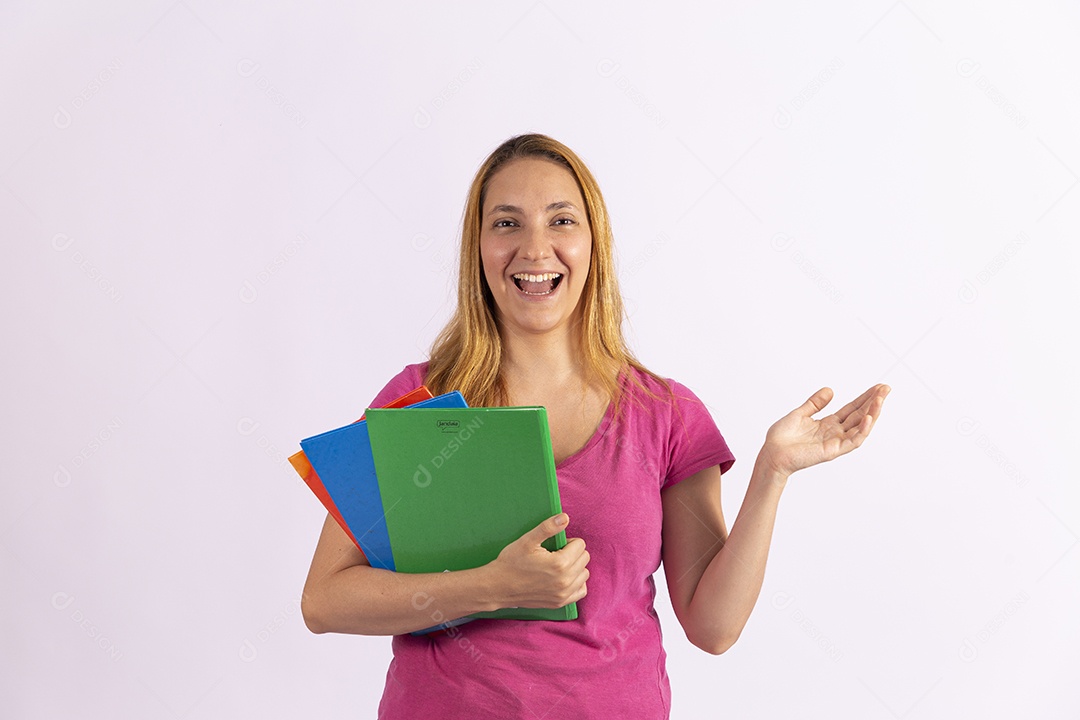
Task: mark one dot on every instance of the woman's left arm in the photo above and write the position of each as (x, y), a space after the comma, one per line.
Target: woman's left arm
(714, 577)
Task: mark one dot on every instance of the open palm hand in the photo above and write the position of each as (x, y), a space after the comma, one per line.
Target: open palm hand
(797, 441)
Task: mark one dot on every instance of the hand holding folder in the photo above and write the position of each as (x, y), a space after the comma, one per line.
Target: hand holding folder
(460, 484)
(541, 578)
(443, 487)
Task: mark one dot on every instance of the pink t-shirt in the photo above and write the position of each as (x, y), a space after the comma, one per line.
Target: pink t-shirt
(609, 663)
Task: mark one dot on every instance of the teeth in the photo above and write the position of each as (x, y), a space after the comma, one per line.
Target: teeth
(537, 278)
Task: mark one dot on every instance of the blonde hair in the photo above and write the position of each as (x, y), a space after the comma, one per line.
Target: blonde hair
(466, 354)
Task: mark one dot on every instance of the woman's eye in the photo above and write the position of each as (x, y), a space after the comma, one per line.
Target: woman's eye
(504, 223)
(564, 221)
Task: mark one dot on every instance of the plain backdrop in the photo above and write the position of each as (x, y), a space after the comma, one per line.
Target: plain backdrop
(228, 225)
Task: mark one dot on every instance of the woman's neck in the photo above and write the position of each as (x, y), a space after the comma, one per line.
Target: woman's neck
(540, 365)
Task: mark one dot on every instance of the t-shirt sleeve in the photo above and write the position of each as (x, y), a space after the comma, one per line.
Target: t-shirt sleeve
(695, 443)
(404, 382)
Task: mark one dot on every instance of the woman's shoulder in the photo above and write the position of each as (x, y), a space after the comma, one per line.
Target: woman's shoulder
(650, 385)
(411, 377)
(658, 396)
(665, 408)
(417, 370)
(414, 374)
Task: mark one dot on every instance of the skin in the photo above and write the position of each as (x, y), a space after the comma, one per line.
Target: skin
(534, 221)
(714, 577)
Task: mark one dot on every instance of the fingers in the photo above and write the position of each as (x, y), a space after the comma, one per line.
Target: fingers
(574, 546)
(575, 578)
(843, 413)
(566, 574)
(862, 420)
(530, 576)
(869, 403)
(582, 592)
(550, 527)
(575, 552)
(874, 412)
(876, 402)
(816, 402)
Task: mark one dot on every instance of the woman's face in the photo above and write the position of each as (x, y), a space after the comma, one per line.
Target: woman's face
(535, 245)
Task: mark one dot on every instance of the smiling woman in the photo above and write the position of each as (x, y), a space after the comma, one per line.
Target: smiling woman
(535, 244)
(532, 196)
(638, 458)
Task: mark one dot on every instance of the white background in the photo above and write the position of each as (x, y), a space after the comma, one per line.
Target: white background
(230, 225)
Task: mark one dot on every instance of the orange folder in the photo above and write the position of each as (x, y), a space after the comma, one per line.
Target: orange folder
(303, 467)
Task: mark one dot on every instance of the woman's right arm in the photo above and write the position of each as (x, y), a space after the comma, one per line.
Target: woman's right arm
(344, 594)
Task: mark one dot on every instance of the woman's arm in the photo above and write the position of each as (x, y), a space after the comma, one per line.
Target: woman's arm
(714, 577)
(344, 594)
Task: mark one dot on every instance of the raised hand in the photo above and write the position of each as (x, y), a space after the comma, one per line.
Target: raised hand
(797, 440)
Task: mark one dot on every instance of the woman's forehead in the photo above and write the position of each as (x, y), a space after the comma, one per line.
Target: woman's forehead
(532, 180)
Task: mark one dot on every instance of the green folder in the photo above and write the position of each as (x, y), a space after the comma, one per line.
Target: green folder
(460, 484)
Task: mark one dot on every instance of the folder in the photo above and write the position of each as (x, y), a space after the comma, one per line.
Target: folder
(342, 460)
(307, 473)
(459, 484)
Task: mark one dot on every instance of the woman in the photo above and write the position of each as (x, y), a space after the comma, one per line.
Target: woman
(639, 462)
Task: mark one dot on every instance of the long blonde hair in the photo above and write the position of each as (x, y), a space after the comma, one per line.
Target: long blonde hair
(467, 353)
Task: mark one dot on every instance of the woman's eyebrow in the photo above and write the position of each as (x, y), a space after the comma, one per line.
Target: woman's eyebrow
(560, 205)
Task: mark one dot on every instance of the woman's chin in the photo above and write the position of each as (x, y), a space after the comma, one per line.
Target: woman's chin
(537, 321)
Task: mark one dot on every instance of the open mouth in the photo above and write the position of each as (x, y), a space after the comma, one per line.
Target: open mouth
(543, 284)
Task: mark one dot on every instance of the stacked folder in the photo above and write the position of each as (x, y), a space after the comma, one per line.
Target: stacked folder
(303, 466)
(428, 484)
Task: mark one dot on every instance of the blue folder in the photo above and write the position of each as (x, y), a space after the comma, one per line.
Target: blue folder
(343, 460)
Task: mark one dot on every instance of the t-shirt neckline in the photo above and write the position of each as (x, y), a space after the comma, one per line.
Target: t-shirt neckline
(600, 431)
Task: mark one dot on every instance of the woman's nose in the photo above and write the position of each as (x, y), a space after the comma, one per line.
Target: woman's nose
(535, 244)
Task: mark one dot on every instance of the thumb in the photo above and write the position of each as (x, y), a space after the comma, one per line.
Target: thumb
(549, 528)
(816, 402)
